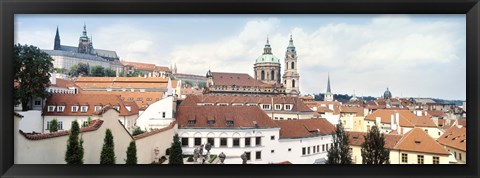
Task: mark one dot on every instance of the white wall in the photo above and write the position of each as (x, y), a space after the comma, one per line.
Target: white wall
(146, 145)
(153, 118)
(233, 153)
(52, 150)
(296, 156)
(31, 122)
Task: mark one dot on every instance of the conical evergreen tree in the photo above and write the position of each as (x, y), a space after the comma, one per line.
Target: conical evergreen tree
(131, 153)
(340, 152)
(74, 154)
(373, 149)
(176, 155)
(108, 152)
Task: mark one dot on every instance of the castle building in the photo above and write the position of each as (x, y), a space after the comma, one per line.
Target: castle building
(67, 56)
(291, 76)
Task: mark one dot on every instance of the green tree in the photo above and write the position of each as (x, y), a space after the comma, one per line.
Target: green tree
(340, 152)
(32, 68)
(373, 149)
(98, 71)
(137, 131)
(108, 152)
(88, 122)
(176, 155)
(74, 154)
(53, 125)
(80, 69)
(110, 73)
(131, 153)
(201, 85)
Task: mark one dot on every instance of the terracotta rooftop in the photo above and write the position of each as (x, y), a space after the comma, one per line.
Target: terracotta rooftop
(139, 65)
(357, 139)
(418, 140)
(90, 100)
(62, 83)
(298, 105)
(436, 113)
(320, 104)
(124, 82)
(237, 79)
(455, 137)
(93, 125)
(146, 98)
(305, 128)
(385, 115)
(359, 111)
(242, 117)
(422, 121)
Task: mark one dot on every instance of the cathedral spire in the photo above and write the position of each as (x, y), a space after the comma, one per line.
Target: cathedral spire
(84, 29)
(57, 41)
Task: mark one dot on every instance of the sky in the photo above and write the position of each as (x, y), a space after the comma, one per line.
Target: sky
(412, 55)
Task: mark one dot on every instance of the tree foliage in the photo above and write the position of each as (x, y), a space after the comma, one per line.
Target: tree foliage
(110, 73)
(108, 152)
(137, 131)
(131, 153)
(373, 149)
(340, 152)
(80, 69)
(74, 154)
(176, 155)
(98, 71)
(32, 68)
(53, 125)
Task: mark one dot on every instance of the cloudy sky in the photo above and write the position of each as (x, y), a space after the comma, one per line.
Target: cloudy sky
(412, 55)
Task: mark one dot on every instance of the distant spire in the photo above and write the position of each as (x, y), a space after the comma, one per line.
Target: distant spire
(267, 49)
(328, 84)
(84, 29)
(56, 45)
(290, 43)
(267, 38)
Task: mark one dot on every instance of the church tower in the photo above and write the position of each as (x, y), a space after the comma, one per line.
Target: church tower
(267, 66)
(84, 44)
(291, 78)
(57, 41)
(328, 95)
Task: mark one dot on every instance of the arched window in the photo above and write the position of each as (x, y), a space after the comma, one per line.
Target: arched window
(263, 75)
(293, 83)
(293, 65)
(273, 75)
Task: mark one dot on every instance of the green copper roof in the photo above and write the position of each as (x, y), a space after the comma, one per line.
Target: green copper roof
(267, 58)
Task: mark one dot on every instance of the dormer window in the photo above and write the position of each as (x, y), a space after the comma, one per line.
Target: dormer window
(278, 106)
(60, 108)
(229, 122)
(139, 99)
(237, 104)
(222, 104)
(191, 122)
(74, 108)
(288, 107)
(129, 108)
(130, 99)
(51, 108)
(266, 107)
(97, 108)
(84, 109)
(149, 99)
(252, 104)
(211, 122)
(116, 108)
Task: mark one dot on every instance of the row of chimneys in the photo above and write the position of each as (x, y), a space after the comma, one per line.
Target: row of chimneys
(394, 122)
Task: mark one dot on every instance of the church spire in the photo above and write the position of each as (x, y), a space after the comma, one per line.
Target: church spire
(56, 45)
(84, 29)
(328, 85)
(290, 43)
(267, 49)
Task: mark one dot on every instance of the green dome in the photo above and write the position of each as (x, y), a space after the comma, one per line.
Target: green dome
(267, 58)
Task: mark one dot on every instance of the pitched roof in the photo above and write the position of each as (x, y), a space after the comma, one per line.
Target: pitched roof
(357, 139)
(305, 128)
(155, 131)
(124, 82)
(242, 117)
(404, 116)
(62, 83)
(322, 104)
(146, 98)
(437, 113)
(90, 100)
(418, 140)
(92, 126)
(422, 121)
(455, 137)
(359, 111)
(298, 104)
(237, 79)
(139, 65)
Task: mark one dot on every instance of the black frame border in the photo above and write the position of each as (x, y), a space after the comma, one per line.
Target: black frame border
(9, 8)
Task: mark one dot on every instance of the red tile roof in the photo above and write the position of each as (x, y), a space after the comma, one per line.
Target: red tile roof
(155, 131)
(455, 137)
(305, 128)
(93, 125)
(242, 116)
(146, 98)
(359, 111)
(139, 65)
(237, 79)
(436, 113)
(405, 116)
(357, 139)
(418, 140)
(90, 100)
(422, 121)
(62, 83)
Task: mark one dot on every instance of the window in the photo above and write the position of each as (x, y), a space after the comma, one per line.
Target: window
(281, 118)
(323, 148)
(116, 108)
(272, 137)
(278, 107)
(97, 108)
(37, 102)
(223, 141)
(130, 99)
(293, 66)
(303, 151)
(436, 160)
(60, 108)
(211, 122)
(272, 151)
(51, 108)
(276, 118)
(236, 142)
(258, 155)
(149, 99)
(60, 125)
(85, 124)
(318, 148)
(248, 156)
(211, 141)
(84, 109)
(460, 156)
(198, 141)
(191, 122)
(326, 147)
(139, 99)
(247, 141)
(420, 159)
(266, 107)
(293, 83)
(184, 141)
(426, 130)
(288, 107)
(229, 122)
(163, 114)
(258, 141)
(313, 149)
(404, 158)
(289, 149)
(308, 150)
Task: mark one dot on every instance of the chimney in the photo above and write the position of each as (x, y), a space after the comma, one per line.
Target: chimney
(419, 113)
(391, 122)
(399, 129)
(377, 121)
